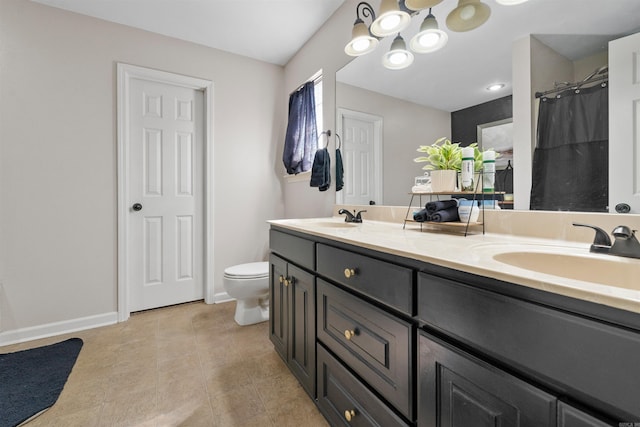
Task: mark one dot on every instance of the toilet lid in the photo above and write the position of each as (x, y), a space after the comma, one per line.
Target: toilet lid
(251, 270)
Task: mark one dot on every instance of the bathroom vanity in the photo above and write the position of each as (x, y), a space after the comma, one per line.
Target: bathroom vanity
(391, 327)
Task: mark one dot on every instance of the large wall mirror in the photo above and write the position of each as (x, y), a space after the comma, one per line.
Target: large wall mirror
(417, 105)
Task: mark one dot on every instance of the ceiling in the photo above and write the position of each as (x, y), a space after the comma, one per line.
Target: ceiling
(457, 76)
(267, 30)
(451, 79)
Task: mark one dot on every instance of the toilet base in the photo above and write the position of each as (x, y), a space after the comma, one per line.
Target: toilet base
(251, 311)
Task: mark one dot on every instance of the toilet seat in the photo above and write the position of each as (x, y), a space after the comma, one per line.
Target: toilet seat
(252, 270)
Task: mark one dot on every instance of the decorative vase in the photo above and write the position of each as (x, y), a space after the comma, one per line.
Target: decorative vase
(443, 180)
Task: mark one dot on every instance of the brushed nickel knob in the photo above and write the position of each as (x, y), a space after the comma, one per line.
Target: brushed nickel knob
(349, 272)
(349, 414)
(348, 334)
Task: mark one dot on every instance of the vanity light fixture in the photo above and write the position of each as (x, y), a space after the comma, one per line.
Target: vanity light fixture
(362, 41)
(495, 87)
(430, 37)
(398, 56)
(395, 15)
(391, 19)
(469, 15)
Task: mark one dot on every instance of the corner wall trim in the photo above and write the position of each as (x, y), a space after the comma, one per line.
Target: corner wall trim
(57, 328)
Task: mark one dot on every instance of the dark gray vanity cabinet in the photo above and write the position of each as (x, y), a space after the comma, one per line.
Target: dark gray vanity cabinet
(346, 401)
(373, 343)
(459, 390)
(388, 283)
(574, 356)
(568, 416)
(292, 322)
(395, 341)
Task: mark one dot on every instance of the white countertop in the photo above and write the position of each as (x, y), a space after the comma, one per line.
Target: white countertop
(475, 254)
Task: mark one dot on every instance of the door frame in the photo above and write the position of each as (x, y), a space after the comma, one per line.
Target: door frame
(377, 148)
(125, 73)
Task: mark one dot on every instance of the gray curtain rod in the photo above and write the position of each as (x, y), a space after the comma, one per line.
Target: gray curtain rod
(601, 74)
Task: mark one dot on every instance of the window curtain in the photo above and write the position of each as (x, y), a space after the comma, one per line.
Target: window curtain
(301, 139)
(570, 168)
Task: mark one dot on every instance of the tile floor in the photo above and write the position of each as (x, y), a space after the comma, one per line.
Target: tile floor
(187, 365)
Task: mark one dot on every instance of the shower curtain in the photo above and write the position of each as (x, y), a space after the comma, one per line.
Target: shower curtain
(571, 158)
(301, 139)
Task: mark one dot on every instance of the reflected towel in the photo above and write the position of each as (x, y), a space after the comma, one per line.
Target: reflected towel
(339, 171)
(421, 216)
(445, 215)
(321, 170)
(440, 205)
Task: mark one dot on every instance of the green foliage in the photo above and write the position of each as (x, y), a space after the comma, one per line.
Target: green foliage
(442, 154)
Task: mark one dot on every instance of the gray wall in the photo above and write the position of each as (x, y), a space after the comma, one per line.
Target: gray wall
(58, 259)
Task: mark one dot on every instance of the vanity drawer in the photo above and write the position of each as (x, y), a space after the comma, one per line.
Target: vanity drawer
(346, 401)
(388, 283)
(597, 362)
(295, 249)
(374, 343)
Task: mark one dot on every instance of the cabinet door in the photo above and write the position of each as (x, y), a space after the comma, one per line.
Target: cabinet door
(302, 328)
(278, 305)
(457, 390)
(568, 416)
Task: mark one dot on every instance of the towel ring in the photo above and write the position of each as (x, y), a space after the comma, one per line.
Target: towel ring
(328, 133)
(339, 141)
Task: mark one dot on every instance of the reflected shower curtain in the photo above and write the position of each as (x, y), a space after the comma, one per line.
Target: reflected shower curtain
(571, 158)
(301, 140)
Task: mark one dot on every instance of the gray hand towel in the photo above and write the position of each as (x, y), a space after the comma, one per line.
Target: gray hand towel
(321, 170)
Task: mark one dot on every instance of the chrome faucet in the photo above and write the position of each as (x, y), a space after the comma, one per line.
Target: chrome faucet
(625, 243)
(350, 217)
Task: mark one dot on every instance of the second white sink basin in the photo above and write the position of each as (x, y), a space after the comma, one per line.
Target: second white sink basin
(604, 269)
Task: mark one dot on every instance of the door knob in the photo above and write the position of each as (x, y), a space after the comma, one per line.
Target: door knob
(137, 207)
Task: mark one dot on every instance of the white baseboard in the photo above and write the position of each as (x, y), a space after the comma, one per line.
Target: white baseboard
(222, 297)
(57, 328)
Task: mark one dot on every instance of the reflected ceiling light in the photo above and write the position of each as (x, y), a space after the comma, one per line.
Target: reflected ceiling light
(510, 2)
(496, 86)
(430, 38)
(398, 56)
(469, 14)
(361, 39)
(421, 4)
(390, 20)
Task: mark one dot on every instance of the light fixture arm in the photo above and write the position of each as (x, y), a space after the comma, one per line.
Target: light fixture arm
(366, 10)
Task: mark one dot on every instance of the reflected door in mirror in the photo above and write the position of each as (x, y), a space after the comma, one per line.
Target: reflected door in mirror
(361, 151)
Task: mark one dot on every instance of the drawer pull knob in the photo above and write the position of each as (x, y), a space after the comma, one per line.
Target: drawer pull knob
(349, 272)
(281, 278)
(349, 414)
(349, 334)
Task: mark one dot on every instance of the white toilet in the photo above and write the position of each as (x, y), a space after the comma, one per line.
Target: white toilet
(249, 285)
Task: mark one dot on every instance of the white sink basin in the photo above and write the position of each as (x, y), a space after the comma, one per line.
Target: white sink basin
(602, 269)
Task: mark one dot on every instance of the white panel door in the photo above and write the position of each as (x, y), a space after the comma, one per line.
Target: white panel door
(624, 123)
(361, 155)
(165, 226)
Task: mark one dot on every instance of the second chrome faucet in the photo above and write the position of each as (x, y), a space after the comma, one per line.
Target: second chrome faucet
(626, 244)
(351, 217)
